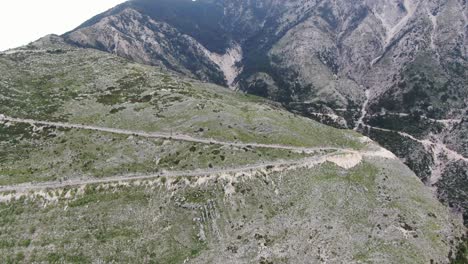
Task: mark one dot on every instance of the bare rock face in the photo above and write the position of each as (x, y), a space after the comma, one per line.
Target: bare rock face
(133, 35)
(394, 70)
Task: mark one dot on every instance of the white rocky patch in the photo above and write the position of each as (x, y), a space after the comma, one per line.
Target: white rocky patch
(434, 28)
(19, 51)
(346, 161)
(392, 31)
(365, 140)
(381, 153)
(410, 10)
(363, 110)
(227, 63)
(6, 198)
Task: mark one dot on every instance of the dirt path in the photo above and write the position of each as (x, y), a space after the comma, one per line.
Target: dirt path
(346, 158)
(290, 164)
(178, 137)
(446, 122)
(429, 145)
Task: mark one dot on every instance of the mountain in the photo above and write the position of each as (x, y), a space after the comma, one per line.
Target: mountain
(395, 70)
(107, 160)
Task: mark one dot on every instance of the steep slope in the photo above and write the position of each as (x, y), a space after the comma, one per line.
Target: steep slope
(394, 70)
(105, 160)
(136, 36)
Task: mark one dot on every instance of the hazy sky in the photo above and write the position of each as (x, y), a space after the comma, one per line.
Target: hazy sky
(23, 21)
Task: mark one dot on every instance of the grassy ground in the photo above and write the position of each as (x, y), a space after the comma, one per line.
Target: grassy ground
(375, 211)
(58, 154)
(462, 256)
(107, 91)
(335, 210)
(104, 90)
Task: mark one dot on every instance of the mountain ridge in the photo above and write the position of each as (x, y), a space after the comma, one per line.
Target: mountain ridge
(93, 146)
(350, 65)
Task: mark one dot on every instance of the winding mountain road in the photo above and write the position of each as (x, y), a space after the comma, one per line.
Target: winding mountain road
(344, 157)
(339, 155)
(286, 165)
(426, 143)
(178, 137)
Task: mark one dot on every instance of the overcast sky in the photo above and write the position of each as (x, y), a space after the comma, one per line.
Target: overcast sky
(23, 21)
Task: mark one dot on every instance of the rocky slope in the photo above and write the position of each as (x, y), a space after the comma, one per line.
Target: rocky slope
(393, 69)
(106, 160)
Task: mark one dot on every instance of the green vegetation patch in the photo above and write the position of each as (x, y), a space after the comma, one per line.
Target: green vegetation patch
(57, 154)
